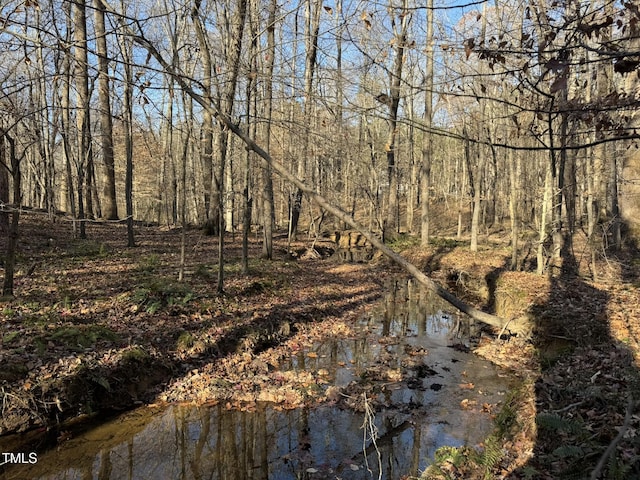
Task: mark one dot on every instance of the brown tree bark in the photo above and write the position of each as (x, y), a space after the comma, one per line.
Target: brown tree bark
(400, 38)
(83, 121)
(127, 118)
(268, 206)
(8, 146)
(4, 191)
(312, 17)
(234, 47)
(427, 141)
(110, 205)
(211, 207)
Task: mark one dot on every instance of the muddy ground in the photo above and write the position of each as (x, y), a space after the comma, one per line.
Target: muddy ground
(97, 327)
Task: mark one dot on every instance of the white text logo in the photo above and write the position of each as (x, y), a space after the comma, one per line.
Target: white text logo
(18, 458)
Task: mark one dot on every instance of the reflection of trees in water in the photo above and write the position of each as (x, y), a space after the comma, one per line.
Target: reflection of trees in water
(216, 443)
(410, 309)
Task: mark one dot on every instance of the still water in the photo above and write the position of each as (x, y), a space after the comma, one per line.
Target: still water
(428, 395)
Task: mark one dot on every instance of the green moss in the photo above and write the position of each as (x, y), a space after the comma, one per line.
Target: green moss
(81, 337)
(10, 337)
(135, 354)
(158, 293)
(185, 341)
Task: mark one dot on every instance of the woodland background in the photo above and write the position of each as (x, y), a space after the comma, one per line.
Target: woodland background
(515, 119)
(517, 115)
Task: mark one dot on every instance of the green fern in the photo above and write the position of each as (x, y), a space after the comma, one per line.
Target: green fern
(452, 455)
(617, 470)
(529, 473)
(491, 456)
(568, 451)
(554, 422)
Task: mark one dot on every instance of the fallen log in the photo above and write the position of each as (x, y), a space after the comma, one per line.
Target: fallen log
(410, 268)
(211, 106)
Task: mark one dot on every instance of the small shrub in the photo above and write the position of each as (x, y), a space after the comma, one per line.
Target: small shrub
(210, 227)
(88, 249)
(149, 264)
(442, 242)
(404, 241)
(204, 272)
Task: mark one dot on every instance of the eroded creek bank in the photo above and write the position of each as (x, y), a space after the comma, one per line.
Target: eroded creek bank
(398, 385)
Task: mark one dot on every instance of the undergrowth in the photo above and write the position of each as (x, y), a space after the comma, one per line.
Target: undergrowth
(158, 293)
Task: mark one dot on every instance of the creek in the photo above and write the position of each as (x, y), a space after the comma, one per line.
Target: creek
(405, 379)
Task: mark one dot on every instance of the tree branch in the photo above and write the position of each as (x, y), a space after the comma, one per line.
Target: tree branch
(340, 214)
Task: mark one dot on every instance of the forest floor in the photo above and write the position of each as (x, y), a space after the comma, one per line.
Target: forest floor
(97, 326)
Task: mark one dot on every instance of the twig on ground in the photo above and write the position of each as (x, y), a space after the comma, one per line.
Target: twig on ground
(612, 446)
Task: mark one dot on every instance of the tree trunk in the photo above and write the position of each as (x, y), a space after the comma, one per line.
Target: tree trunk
(427, 145)
(235, 39)
(43, 129)
(476, 187)
(126, 48)
(110, 210)
(312, 17)
(412, 194)
(4, 191)
(12, 237)
(206, 139)
(400, 37)
(250, 95)
(83, 121)
(546, 200)
(268, 211)
(462, 185)
(514, 188)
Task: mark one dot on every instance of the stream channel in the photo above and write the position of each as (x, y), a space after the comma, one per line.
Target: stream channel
(427, 394)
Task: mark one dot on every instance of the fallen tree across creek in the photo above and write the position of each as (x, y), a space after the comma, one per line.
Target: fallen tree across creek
(250, 143)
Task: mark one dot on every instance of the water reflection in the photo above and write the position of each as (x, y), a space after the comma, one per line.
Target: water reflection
(419, 411)
(213, 443)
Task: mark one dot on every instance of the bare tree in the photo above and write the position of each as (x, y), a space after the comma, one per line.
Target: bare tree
(106, 122)
(427, 141)
(400, 25)
(268, 207)
(10, 159)
(312, 27)
(84, 156)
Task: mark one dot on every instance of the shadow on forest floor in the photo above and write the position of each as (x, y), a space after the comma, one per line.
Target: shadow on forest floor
(588, 384)
(574, 415)
(98, 327)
